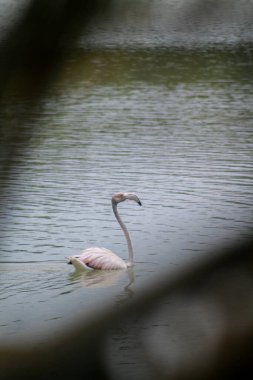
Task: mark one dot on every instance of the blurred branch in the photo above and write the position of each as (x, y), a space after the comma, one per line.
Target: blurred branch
(38, 44)
(31, 53)
(80, 352)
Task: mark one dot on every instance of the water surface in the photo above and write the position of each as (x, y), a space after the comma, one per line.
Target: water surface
(171, 124)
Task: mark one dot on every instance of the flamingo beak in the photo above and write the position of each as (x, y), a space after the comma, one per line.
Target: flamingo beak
(139, 203)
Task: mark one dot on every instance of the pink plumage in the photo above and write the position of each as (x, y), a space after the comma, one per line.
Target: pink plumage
(98, 258)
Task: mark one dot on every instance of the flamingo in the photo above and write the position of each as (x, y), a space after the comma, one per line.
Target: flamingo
(102, 258)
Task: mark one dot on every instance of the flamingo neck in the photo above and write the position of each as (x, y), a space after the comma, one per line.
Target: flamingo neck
(126, 233)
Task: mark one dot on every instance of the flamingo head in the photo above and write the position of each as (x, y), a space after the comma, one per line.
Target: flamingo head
(121, 197)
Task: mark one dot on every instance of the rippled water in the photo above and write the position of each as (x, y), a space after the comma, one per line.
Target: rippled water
(173, 126)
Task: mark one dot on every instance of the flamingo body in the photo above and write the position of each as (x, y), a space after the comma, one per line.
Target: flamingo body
(98, 258)
(102, 258)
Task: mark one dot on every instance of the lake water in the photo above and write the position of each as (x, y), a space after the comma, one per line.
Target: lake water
(173, 125)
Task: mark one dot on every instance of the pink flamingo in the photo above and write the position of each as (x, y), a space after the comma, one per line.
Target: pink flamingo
(102, 258)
